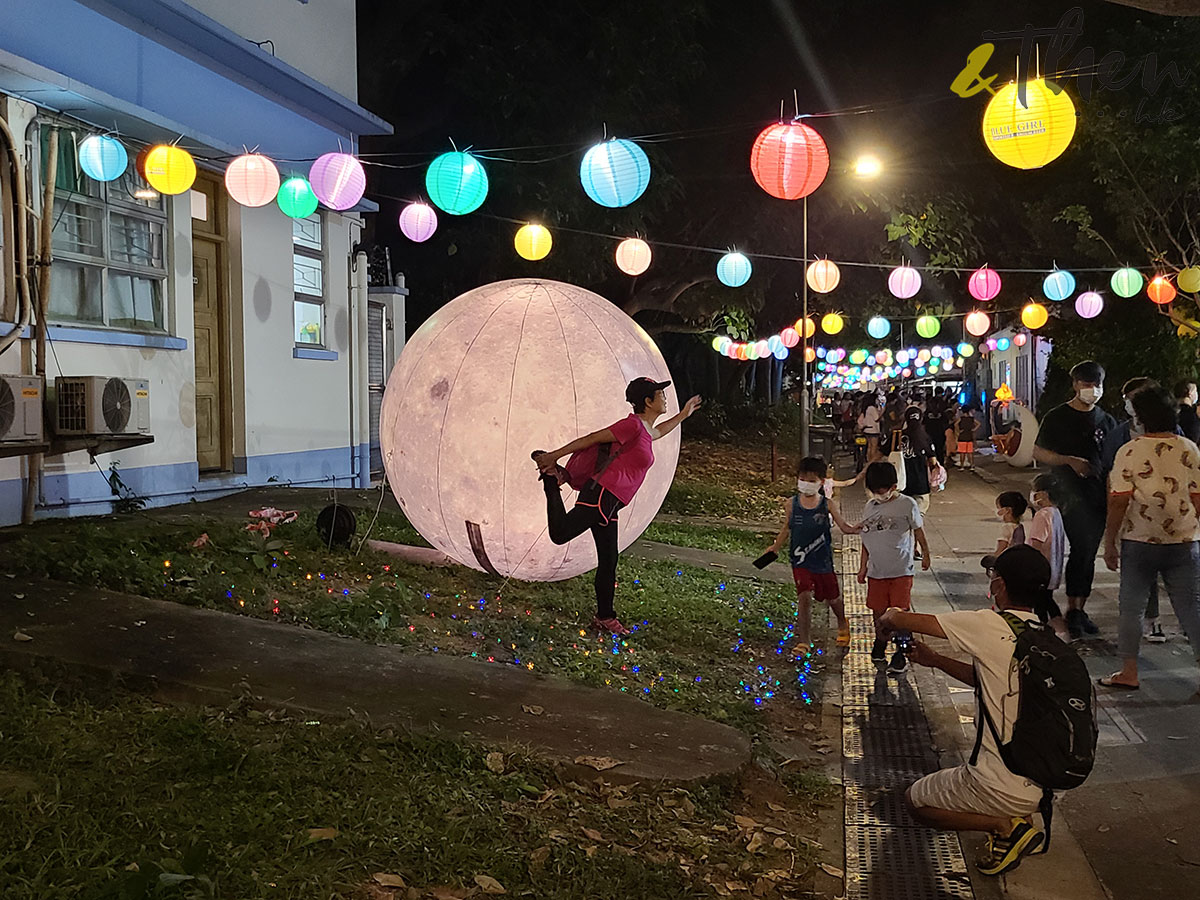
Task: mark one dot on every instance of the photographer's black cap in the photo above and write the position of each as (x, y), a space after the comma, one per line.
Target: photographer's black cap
(641, 389)
(1022, 567)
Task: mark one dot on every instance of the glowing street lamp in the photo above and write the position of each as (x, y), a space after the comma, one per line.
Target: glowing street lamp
(868, 166)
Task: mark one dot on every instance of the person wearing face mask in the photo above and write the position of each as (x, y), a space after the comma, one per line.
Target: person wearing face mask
(983, 795)
(891, 523)
(1070, 440)
(1189, 424)
(1154, 510)
(808, 515)
(1118, 438)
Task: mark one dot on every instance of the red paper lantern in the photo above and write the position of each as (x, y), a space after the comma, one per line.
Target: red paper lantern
(1161, 290)
(789, 161)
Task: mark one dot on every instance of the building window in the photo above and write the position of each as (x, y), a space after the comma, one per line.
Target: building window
(109, 243)
(308, 279)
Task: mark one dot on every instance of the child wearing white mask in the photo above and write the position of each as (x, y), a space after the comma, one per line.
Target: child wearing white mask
(808, 515)
(891, 523)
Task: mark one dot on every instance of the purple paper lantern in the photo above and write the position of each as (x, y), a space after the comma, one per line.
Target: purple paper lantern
(338, 180)
(904, 282)
(1089, 304)
(418, 222)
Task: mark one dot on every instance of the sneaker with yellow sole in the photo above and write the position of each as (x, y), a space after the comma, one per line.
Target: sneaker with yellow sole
(1005, 853)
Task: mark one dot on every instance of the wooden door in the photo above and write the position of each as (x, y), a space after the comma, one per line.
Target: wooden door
(208, 340)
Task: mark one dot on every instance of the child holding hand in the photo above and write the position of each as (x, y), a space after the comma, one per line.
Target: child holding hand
(891, 523)
(809, 513)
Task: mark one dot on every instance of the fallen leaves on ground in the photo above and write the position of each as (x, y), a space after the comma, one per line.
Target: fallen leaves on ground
(387, 879)
(322, 834)
(599, 763)
(489, 884)
(533, 710)
(831, 870)
(495, 762)
(592, 834)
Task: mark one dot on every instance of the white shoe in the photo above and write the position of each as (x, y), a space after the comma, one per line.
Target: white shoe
(1155, 634)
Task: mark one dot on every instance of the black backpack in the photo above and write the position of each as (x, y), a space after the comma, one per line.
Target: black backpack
(1054, 737)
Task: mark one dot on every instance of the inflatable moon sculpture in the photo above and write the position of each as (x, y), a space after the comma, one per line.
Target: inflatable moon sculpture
(1022, 456)
(495, 374)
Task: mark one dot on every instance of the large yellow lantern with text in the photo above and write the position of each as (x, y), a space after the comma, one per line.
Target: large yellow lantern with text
(1029, 134)
(533, 242)
(169, 169)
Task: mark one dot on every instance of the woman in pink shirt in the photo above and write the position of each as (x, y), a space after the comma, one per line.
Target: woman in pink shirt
(616, 479)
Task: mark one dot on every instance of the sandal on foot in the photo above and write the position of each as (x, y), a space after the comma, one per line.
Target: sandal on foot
(1110, 681)
(612, 626)
(843, 637)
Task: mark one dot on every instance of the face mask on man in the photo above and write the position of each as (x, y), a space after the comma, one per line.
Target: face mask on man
(808, 488)
(1091, 395)
(888, 495)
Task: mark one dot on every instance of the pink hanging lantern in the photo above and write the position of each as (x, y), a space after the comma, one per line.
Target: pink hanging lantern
(904, 282)
(252, 180)
(1089, 304)
(418, 222)
(790, 337)
(338, 180)
(633, 256)
(984, 284)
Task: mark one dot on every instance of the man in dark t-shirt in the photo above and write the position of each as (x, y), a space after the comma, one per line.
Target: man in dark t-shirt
(1070, 440)
(1189, 424)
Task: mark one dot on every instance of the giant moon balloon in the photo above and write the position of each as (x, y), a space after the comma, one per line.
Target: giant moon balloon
(493, 375)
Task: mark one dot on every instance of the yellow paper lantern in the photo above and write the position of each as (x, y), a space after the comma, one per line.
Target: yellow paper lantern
(823, 276)
(169, 169)
(1034, 316)
(807, 327)
(832, 323)
(633, 256)
(533, 242)
(1189, 279)
(1029, 135)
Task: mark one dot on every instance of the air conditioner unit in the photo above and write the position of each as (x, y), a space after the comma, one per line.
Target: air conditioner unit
(20, 409)
(96, 404)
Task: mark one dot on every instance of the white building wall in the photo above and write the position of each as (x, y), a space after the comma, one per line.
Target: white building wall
(317, 37)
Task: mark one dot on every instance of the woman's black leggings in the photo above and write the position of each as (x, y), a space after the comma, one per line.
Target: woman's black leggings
(596, 509)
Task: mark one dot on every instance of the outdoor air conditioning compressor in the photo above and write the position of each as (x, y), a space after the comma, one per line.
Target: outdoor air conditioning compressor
(20, 409)
(97, 404)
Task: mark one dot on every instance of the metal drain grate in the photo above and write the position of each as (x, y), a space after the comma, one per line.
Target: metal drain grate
(885, 886)
(878, 774)
(877, 806)
(886, 717)
(884, 742)
(903, 851)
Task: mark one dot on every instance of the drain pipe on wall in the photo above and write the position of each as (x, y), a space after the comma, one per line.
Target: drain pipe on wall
(45, 255)
(21, 243)
(360, 432)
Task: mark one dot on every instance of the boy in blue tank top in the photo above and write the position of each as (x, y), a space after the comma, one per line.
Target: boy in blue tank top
(808, 514)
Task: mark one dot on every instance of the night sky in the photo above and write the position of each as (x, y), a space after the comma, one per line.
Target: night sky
(548, 77)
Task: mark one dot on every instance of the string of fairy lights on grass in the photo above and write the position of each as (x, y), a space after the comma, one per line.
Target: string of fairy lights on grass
(771, 669)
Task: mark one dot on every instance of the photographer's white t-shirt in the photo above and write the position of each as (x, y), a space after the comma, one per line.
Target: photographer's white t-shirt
(986, 638)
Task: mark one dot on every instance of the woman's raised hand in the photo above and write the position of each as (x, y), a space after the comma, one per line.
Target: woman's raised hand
(691, 406)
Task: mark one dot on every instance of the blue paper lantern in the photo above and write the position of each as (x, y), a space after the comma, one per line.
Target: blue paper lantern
(781, 352)
(774, 343)
(733, 269)
(1003, 344)
(1058, 285)
(615, 173)
(102, 158)
(879, 327)
(457, 183)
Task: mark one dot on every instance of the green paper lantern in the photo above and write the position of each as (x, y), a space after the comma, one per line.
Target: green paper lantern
(1127, 282)
(457, 183)
(296, 197)
(928, 326)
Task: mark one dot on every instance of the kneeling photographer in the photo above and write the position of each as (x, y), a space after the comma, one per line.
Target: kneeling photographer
(1034, 713)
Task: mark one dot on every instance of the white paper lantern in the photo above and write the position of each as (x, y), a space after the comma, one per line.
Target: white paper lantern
(501, 371)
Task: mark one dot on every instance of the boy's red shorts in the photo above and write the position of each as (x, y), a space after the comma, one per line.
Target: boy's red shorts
(885, 592)
(824, 585)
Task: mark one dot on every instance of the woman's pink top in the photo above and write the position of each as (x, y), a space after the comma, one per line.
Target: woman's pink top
(634, 455)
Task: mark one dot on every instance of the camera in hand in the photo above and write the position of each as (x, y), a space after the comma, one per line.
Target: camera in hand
(903, 641)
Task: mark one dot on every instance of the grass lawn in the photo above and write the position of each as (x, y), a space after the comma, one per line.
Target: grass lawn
(104, 794)
(730, 480)
(704, 645)
(710, 537)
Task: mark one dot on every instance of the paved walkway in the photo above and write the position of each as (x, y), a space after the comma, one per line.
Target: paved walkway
(201, 655)
(1131, 829)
